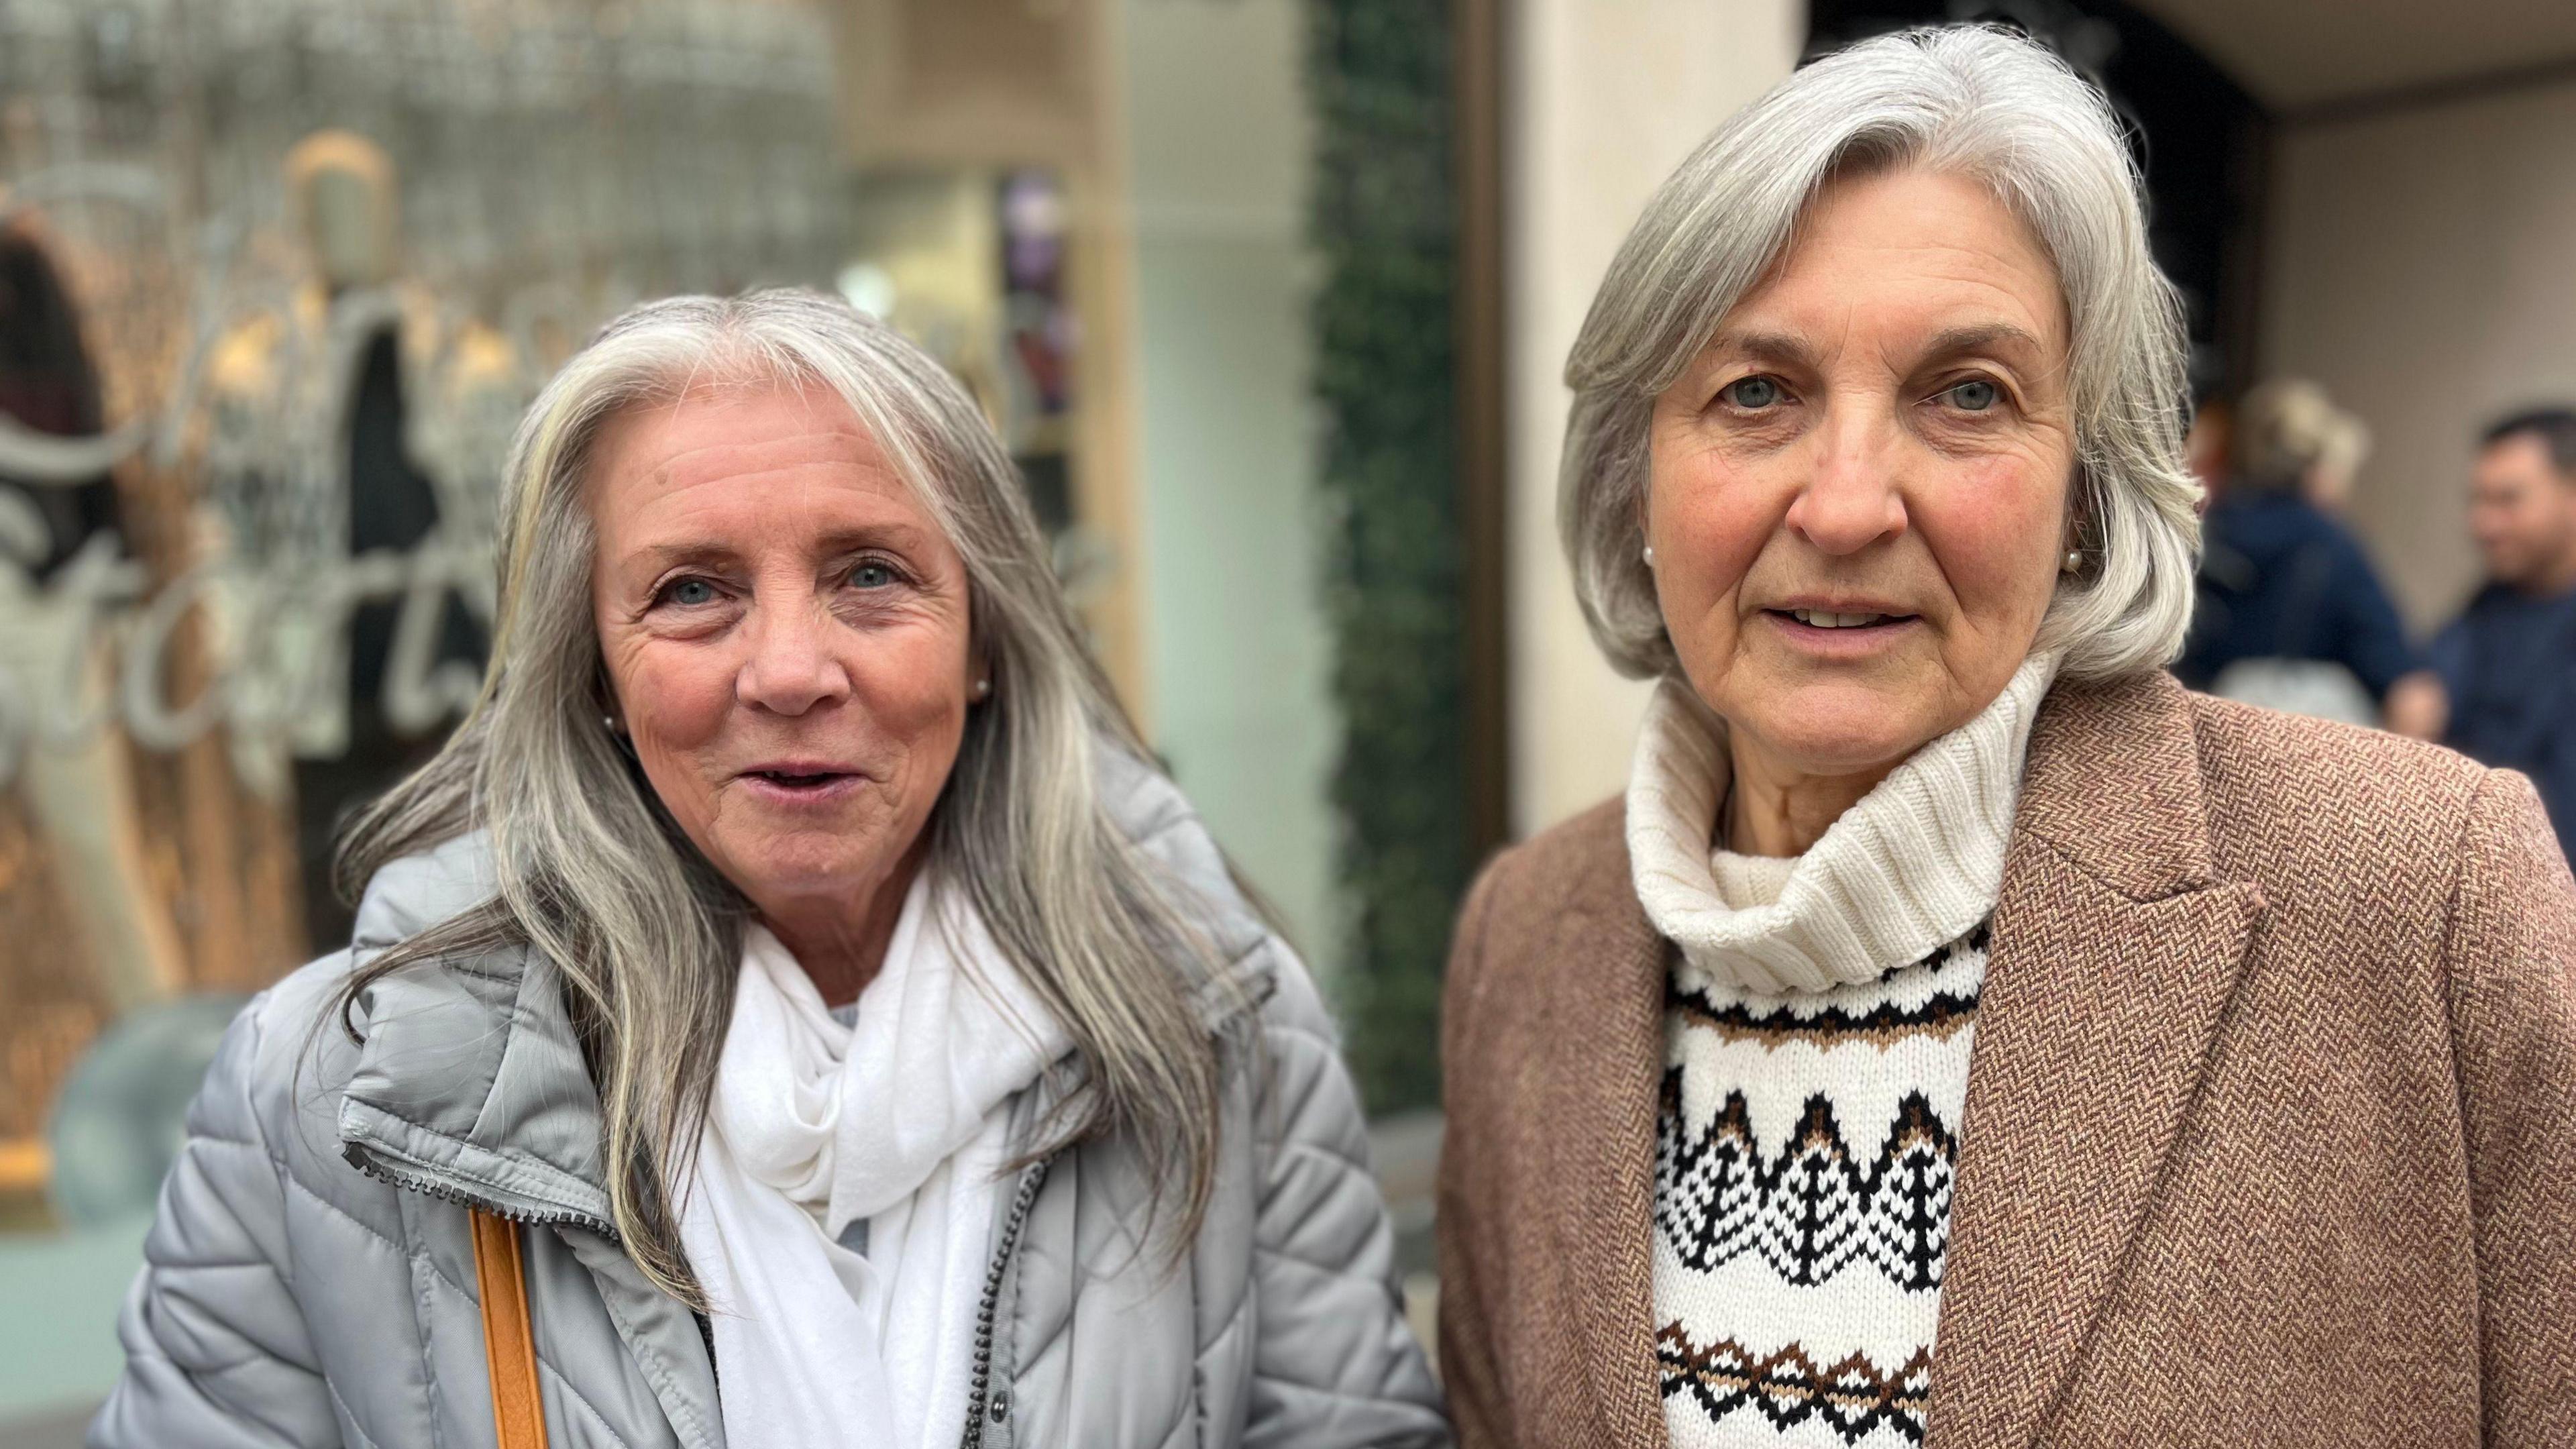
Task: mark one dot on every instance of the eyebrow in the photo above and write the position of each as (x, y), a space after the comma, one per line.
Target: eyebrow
(661, 556)
(901, 537)
(1983, 337)
(1773, 347)
(1782, 349)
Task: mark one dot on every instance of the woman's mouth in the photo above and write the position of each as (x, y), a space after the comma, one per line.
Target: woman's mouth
(1841, 632)
(799, 784)
(1826, 619)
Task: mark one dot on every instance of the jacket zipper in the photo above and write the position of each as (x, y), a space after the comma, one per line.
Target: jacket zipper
(979, 1403)
(986, 1306)
(375, 1167)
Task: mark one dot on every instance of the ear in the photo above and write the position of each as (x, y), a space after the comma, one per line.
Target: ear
(603, 695)
(2082, 528)
(1643, 508)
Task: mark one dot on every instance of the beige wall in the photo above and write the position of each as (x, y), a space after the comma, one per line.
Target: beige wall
(2422, 265)
(1605, 99)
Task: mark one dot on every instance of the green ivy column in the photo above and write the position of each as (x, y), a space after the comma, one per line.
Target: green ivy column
(1385, 234)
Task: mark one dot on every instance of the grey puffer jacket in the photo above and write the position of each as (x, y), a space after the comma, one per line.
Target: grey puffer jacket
(310, 1280)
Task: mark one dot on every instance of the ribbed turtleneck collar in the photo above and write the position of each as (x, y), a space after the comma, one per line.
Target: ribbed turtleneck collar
(1912, 867)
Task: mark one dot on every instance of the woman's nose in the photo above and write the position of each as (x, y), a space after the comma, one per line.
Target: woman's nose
(792, 667)
(1853, 499)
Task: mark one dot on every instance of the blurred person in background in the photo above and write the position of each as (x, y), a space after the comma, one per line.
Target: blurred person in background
(1959, 1027)
(2205, 447)
(2291, 615)
(2329, 481)
(794, 955)
(2509, 660)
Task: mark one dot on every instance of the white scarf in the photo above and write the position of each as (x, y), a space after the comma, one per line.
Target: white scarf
(901, 1122)
(1910, 868)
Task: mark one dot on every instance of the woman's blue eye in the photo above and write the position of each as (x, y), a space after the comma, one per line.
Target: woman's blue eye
(1975, 395)
(1751, 392)
(871, 576)
(692, 592)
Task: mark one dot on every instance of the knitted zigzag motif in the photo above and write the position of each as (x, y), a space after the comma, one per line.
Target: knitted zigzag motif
(1817, 1207)
(1882, 1024)
(1852, 1397)
(1772, 1020)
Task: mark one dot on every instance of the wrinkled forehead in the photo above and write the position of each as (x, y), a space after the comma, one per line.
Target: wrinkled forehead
(1913, 249)
(684, 458)
(711, 431)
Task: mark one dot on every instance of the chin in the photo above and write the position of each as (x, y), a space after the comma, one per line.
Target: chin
(1839, 728)
(779, 869)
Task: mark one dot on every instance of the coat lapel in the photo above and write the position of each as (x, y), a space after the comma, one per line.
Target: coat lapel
(2116, 948)
(1609, 1062)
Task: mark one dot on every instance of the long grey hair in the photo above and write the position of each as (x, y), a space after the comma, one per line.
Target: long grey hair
(1968, 101)
(596, 878)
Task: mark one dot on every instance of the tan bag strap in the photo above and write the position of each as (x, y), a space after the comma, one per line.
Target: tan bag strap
(509, 1345)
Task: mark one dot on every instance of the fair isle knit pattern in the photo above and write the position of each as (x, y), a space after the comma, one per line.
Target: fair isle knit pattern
(1802, 1203)
(1818, 1028)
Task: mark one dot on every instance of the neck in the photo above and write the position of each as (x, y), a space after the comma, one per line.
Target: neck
(841, 941)
(1772, 809)
(2554, 578)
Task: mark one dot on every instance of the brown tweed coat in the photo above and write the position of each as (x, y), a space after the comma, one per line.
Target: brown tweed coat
(2271, 1125)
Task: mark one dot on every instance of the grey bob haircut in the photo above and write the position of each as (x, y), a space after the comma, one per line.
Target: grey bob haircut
(1970, 101)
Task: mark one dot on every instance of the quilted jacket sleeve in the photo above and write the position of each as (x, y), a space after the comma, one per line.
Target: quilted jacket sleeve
(1336, 1363)
(1333, 1361)
(2512, 970)
(216, 1349)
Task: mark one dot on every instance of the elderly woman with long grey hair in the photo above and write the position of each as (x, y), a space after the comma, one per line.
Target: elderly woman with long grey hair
(1959, 1033)
(788, 1011)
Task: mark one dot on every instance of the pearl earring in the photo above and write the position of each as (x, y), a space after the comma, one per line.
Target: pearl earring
(608, 722)
(984, 687)
(1650, 555)
(2074, 560)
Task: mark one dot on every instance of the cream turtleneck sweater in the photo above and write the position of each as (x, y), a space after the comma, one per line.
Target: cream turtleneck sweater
(1820, 1017)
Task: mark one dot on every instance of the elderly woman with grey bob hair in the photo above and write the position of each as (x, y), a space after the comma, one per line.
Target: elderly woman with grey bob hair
(789, 1010)
(1959, 1033)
